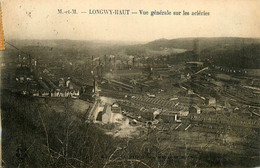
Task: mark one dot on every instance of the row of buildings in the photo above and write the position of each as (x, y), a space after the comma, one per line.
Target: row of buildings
(55, 93)
(238, 71)
(30, 81)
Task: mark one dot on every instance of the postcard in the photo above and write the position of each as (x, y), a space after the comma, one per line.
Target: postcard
(144, 84)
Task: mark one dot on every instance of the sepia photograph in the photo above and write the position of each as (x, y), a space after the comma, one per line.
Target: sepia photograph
(129, 84)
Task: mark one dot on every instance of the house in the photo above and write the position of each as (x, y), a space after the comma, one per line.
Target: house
(64, 93)
(211, 101)
(46, 71)
(70, 86)
(68, 82)
(61, 82)
(44, 93)
(195, 109)
(170, 116)
(106, 114)
(177, 118)
(115, 108)
(156, 114)
(34, 92)
(184, 113)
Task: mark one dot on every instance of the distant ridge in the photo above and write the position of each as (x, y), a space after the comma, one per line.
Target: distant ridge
(204, 42)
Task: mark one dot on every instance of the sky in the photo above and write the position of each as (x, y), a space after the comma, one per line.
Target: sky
(39, 19)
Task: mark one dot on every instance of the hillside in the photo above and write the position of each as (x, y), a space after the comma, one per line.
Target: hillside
(220, 51)
(245, 57)
(223, 51)
(203, 43)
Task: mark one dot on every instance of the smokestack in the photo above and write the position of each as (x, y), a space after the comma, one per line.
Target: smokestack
(105, 59)
(114, 60)
(31, 62)
(19, 58)
(196, 47)
(101, 71)
(92, 62)
(94, 85)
